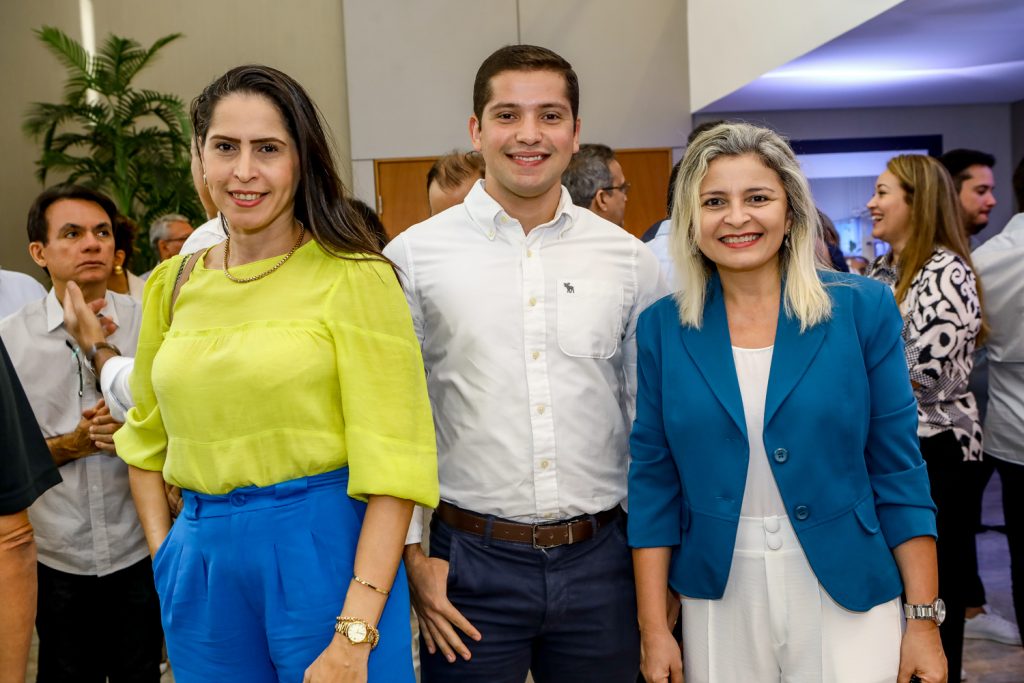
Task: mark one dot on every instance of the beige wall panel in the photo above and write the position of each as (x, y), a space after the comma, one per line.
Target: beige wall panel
(631, 59)
(733, 42)
(30, 75)
(410, 71)
(305, 39)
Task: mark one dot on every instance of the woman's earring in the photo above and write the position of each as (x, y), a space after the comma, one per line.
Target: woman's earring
(785, 240)
(118, 270)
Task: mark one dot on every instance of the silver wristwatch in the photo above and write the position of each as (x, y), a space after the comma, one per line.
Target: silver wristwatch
(935, 611)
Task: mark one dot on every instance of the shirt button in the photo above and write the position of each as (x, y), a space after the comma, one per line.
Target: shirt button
(536, 355)
(781, 455)
(544, 464)
(540, 409)
(529, 253)
(802, 512)
(533, 301)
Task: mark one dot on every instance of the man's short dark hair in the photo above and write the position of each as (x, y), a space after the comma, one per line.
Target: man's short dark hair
(707, 125)
(1018, 185)
(588, 173)
(455, 168)
(523, 58)
(38, 231)
(957, 161)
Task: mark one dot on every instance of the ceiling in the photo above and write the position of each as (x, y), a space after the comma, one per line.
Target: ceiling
(921, 52)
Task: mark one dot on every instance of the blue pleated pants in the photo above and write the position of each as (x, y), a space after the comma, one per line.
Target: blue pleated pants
(250, 583)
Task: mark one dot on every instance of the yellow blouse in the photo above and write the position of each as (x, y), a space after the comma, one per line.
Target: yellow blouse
(309, 369)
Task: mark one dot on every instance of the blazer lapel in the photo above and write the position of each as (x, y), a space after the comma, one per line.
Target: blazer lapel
(794, 352)
(711, 350)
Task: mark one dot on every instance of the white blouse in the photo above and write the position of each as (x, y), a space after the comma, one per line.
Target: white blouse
(761, 496)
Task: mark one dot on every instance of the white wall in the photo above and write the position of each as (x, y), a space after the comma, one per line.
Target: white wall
(985, 127)
(30, 75)
(411, 68)
(733, 42)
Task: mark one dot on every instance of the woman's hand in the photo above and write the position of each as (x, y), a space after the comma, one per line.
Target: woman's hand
(921, 653)
(341, 662)
(661, 660)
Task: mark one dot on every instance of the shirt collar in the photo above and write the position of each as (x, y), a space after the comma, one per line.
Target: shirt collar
(55, 312)
(489, 216)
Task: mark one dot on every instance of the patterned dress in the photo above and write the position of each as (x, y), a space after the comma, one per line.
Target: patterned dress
(941, 322)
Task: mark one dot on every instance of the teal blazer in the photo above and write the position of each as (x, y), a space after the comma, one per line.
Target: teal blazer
(840, 430)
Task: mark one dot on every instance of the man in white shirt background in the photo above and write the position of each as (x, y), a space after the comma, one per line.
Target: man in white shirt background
(595, 181)
(526, 306)
(98, 614)
(16, 290)
(999, 264)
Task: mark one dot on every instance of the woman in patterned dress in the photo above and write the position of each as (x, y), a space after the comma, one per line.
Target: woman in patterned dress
(915, 210)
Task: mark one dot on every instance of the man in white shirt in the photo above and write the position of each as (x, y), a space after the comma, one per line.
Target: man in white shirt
(999, 264)
(526, 306)
(98, 614)
(16, 290)
(595, 181)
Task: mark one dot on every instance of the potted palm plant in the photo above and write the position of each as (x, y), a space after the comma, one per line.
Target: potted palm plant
(131, 143)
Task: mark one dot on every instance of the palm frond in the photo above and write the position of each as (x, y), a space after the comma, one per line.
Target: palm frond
(68, 51)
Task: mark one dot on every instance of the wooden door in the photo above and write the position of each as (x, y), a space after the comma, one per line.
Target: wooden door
(647, 171)
(402, 192)
(402, 189)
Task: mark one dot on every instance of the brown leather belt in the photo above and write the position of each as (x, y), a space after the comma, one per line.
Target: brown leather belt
(547, 535)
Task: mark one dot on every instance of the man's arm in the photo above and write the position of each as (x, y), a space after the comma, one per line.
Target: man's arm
(17, 594)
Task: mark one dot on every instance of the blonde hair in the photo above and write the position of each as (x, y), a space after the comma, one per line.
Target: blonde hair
(805, 297)
(935, 220)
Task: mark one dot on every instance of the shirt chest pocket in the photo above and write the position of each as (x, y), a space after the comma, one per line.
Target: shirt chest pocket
(589, 317)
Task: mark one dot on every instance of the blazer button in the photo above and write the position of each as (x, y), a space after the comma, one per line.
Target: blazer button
(781, 455)
(802, 512)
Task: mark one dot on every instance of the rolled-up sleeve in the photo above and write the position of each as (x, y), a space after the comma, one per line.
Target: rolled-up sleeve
(389, 430)
(655, 491)
(896, 469)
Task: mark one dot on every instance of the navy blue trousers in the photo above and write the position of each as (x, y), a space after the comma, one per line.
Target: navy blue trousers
(566, 614)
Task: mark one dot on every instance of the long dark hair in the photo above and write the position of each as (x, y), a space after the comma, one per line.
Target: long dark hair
(321, 198)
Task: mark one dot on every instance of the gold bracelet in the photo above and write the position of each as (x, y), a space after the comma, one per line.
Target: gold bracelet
(370, 585)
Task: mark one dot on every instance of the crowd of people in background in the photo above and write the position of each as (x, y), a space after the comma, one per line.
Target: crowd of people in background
(229, 456)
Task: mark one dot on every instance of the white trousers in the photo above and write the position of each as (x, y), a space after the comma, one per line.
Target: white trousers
(775, 623)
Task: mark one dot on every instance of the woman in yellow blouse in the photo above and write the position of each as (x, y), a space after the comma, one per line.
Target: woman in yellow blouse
(288, 390)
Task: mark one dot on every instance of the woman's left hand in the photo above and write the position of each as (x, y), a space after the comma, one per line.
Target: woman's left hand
(921, 654)
(341, 662)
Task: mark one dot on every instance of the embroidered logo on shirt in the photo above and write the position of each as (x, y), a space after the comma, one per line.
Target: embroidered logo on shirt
(569, 289)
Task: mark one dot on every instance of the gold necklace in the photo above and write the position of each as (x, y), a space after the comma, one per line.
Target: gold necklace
(260, 276)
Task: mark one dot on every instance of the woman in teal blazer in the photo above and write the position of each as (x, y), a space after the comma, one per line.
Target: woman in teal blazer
(835, 456)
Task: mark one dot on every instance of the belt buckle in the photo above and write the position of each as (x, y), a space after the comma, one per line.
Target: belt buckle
(536, 546)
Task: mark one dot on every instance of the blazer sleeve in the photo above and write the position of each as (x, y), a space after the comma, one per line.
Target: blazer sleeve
(655, 490)
(895, 467)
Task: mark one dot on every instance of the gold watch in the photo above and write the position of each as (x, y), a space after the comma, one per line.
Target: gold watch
(357, 631)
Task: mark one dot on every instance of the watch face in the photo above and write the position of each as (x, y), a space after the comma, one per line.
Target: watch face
(940, 611)
(356, 632)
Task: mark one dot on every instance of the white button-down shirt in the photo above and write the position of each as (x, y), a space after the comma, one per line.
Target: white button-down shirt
(87, 524)
(16, 290)
(999, 264)
(529, 346)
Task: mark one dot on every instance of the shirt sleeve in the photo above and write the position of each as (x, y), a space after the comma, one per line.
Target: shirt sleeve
(896, 470)
(142, 441)
(655, 490)
(389, 429)
(26, 468)
(651, 286)
(942, 329)
(114, 383)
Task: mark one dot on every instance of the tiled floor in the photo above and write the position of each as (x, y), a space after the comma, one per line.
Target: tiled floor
(985, 662)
